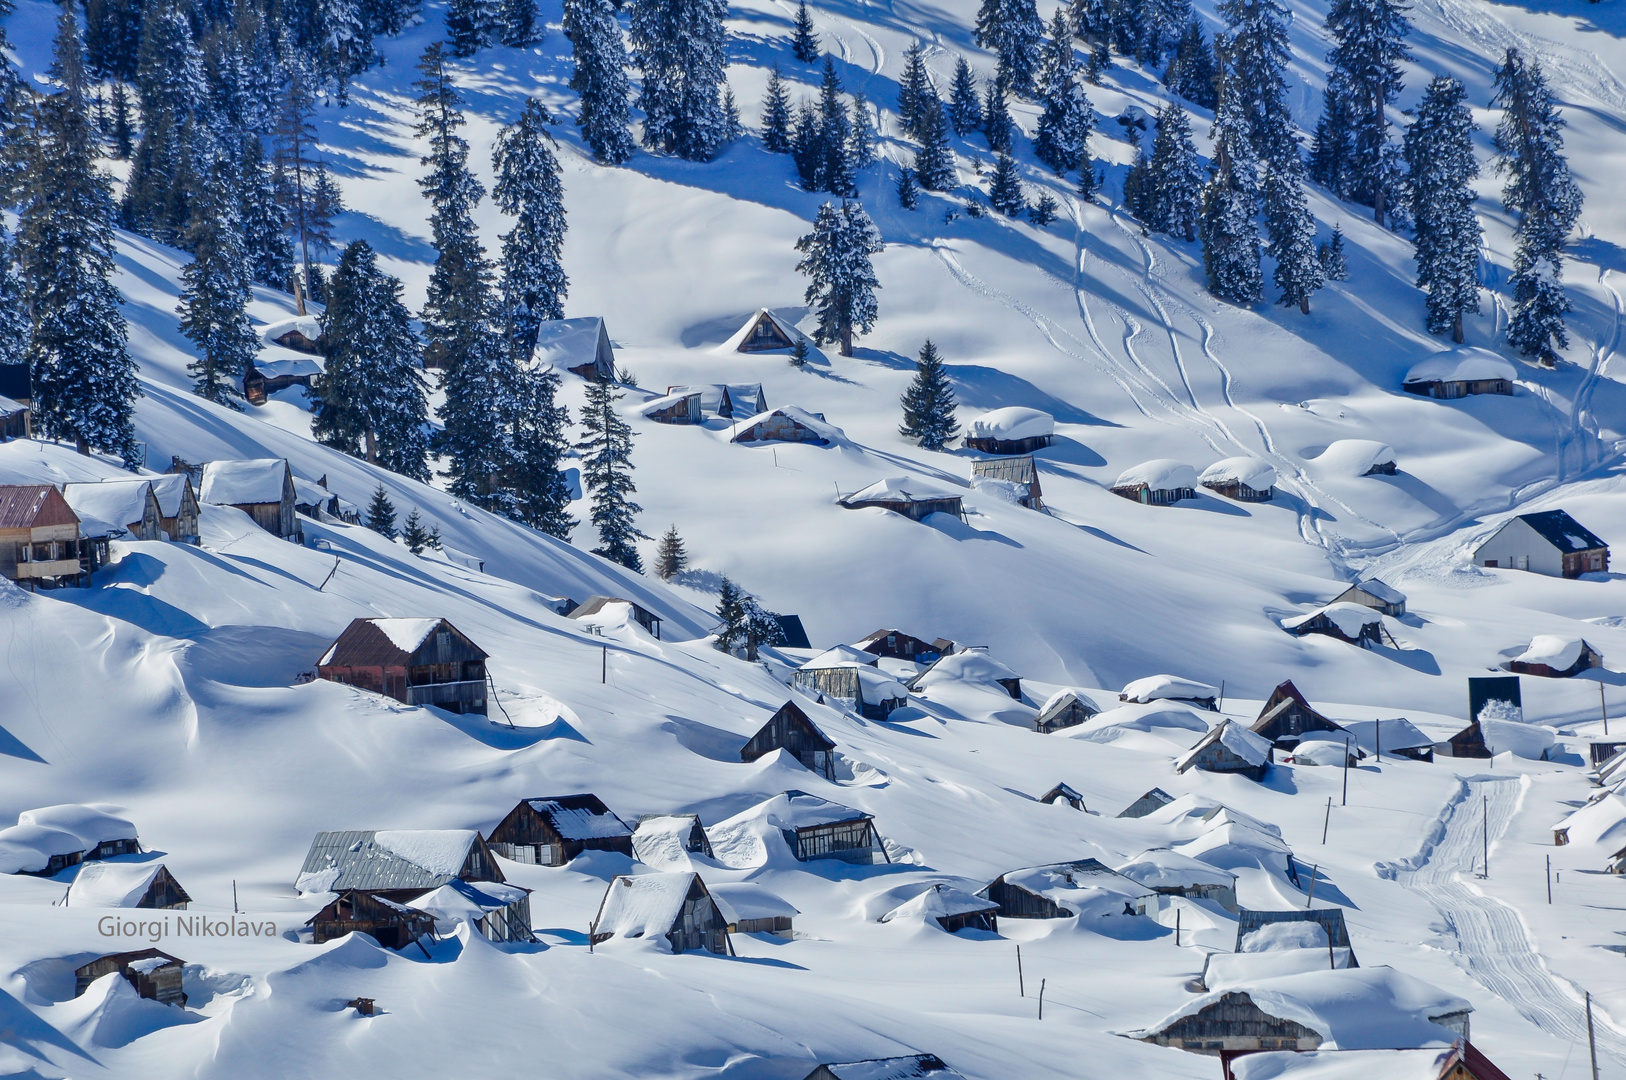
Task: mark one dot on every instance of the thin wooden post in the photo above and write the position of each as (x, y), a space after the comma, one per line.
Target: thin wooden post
(1484, 820)
(1311, 898)
(604, 665)
(1326, 821)
(1377, 735)
(1346, 772)
(234, 910)
(1549, 879)
(1604, 709)
(1177, 928)
(1588, 1021)
(1021, 988)
(1591, 1039)
(1222, 697)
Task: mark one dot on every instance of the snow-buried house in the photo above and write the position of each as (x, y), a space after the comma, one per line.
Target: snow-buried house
(1555, 656)
(1228, 748)
(1287, 717)
(1021, 473)
(675, 907)
(155, 974)
(1159, 482)
(262, 488)
(950, 908)
(424, 661)
(1550, 542)
(553, 829)
(863, 688)
(1355, 624)
(811, 827)
(399, 864)
(52, 838)
(1245, 479)
(594, 606)
(909, 1067)
(663, 838)
(126, 885)
(1461, 372)
(1255, 933)
(116, 509)
(1011, 430)
(1066, 889)
(914, 499)
(766, 332)
(1170, 688)
(1463, 1061)
(580, 346)
(897, 645)
(1375, 595)
(392, 924)
(752, 909)
(1148, 803)
(1064, 709)
(792, 730)
(1170, 873)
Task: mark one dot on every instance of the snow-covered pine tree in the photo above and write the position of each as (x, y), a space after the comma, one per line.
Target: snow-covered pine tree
(1333, 263)
(914, 86)
(681, 47)
(600, 77)
(1013, 29)
(928, 403)
(776, 115)
(84, 380)
(1056, 60)
(799, 354)
(733, 126)
(1291, 230)
(413, 534)
(842, 282)
(807, 147)
(1257, 52)
(1332, 153)
(123, 133)
(836, 173)
(1005, 188)
(1541, 191)
(671, 557)
(908, 190)
(346, 45)
(540, 444)
(1089, 181)
(264, 220)
(295, 145)
(171, 89)
(1092, 21)
(112, 38)
(470, 25)
(1230, 232)
(731, 617)
(934, 161)
(1370, 36)
(215, 291)
(14, 330)
(371, 400)
(1160, 24)
(1191, 69)
(381, 514)
(861, 137)
(606, 454)
(528, 189)
(1176, 180)
(762, 627)
(804, 42)
(1440, 153)
(997, 126)
(965, 106)
(1065, 125)
(434, 537)
(517, 24)
(1138, 186)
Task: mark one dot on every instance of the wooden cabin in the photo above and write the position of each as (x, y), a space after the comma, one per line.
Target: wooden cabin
(1022, 471)
(677, 907)
(765, 332)
(177, 507)
(1374, 594)
(1245, 479)
(912, 499)
(41, 542)
(1331, 921)
(1228, 748)
(1065, 709)
(751, 909)
(1287, 716)
(792, 730)
(127, 885)
(1063, 793)
(579, 346)
(67, 834)
(392, 924)
(16, 419)
(1012, 430)
(1160, 482)
(1232, 1024)
(728, 401)
(1152, 801)
(952, 909)
(1467, 743)
(1601, 750)
(302, 334)
(679, 408)
(863, 688)
(816, 828)
(125, 509)
(553, 829)
(1550, 542)
(656, 837)
(897, 645)
(1354, 624)
(786, 424)
(1065, 889)
(1461, 372)
(1171, 873)
(497, 911)
(640, 614)
(262, 488)
(415, 661)
(1553, 656)
(263, 377)
(392, 862)
(909, 1067)
(155, 974)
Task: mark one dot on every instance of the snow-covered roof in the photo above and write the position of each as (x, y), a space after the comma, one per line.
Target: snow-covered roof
(1064, 697)
(1347, 616)
(1378, 735)
(406, 634)
(783, 323)
(468, 902)
(1251, 748)
(824, 430)
(642, 905)
(1380, 590)
(276, 366)
(1223, 970)
(911, 1067)
(1086, 886)
(1287, 934)
(1321, 751)
(27, 849)
(112, 884)
(386, 859)
(1245, 469)
(796, 810)
(901, 489)
(940, 901)
(1350, 1008)
(1467, 364)
(747, 900)
(90, 825)
(110, 506)
(878, 686)
(308, 325)
(968, 665)
(168, 490)
(842, 654)
(1554, 650)
(649, 408)
(240, 483)
(1601, 821)
(1172, 687)
(1428, 1064)
(568, 342)
(1012, 423)
(590, 822)
(1354, 457)
(1159, 474)
(1164, 868)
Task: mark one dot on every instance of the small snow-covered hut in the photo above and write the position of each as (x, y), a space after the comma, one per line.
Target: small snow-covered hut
(952, 909)
(752, 909)
(1170, 688)
(1550, 542)
(155, 974)
(1461, 372)
(863, 688)
(1158, 482)
(496, 910)
(792, 730)
(909, 1067)
(41, 540)
(301, 333)
(659, 838)
(788, 423)
(1375, 595)
(1228, 748)
(682, 407)
(816, 828)
(101, 835)
(415, 661)
(1356, 624)
(1357, 457)
(765, 332)
(1011, 430)
(1398, 738)
(396, 863)
(579, 346)
(673, 906)
(37, 850)
(1063, 793)
(1245, 479)
(1556, 656)
(914, 499)
(1023, 472)
(394, 925)
(1287, 717)
(1065, 889)
(177, 507)
(594, 605)
(263, 488)
(1148, 803)
(731, 401)
(126, 885)
(116, 509)
(900, 646)
(1063, 709)
(553, 829)
(1170, 873)
(1253, 933)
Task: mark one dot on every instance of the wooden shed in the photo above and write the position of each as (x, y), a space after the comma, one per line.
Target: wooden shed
(1228, 748)
(674, 906)
(1354, 624)
(729, 401)
(262, 488)
(553, 829)
(1063, 793)
(395, 863)
(1287, 716)
(415, 661)
(1375, 595)
(1014, 429)
(1461, 372)
(950, 908)
(392, 924)
(786, 424)
(16, 419)
(1468, 743)
(657, 837)
(679, 408)
(640, 614)
(792, 730)
(1550, 542)
(897, 645)
(155, 974)
(816, 828)
(1230, 1023)
(911, 498)
(1555, 656)
(1245, 479)
(908, 1067)
(1152, 801)
(1022, 471)
(1065, 889)
(497, 911)
(125, 509)
(1064, 709)
(1171, 873)
(126, 885)
(580, 346)
(1159, 482)
(41, 542)
(177, 507)
(751, 909)
(863, 688)
(764, 332)
(1331, 921)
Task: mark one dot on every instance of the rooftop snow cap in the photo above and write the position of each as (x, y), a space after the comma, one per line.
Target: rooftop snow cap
(747, 428)
(1347, 616)
(746, 900)
(28, 849)
(643, 905)
(1171, 687)
(939, 901)
(1467, 364)
(243, 483)
(110, 507)
(389, 859)
(1163, 868)
(1245, 469)
(307, 326)
(1354, 457)
(901, 489)
(767, 330)
(112, 884)
(1159, 474)
(1011, 424)
(1553, 650)
(580, 817)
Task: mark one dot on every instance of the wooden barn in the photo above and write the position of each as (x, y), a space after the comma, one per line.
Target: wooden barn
(909, 1067)
(1245, 479)
(1023, 471)
(1228, 748)
(912, 498)
(155, 974)
(952, 909)
(1287, 716)
(1160, 482)
(16, 419)
(1011, 430)
(1063, 793)
(792, 730)
(127, 885)
(392, 924)
(1354, 624)
(1550, 542)
(398, 864)
(1170, 873)
(177, 507)
(1375, 595)
(1461, 372)
(765, 331)
(640, 614)
(816, 828)
(675, 906)
(679, 408)
(1150, 802)
(263, 488)
(862, 688)
(415, 661)
(579, 346)
(497, 911)
(897, 645)
(553, 829)
(659, 837)
(751, 909)
(1554, 656)
(1065, 889)
(1064, 709)
(41, 542)
(124, 509)
(786, 424)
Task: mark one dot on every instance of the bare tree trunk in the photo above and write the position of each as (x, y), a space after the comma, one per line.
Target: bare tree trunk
(1456, 330)
(1304, 304)
(846, 340)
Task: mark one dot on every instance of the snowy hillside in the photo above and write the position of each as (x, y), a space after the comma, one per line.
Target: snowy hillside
(173, 692)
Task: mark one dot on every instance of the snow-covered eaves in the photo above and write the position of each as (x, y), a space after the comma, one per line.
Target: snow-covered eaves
(1245, 469)
(112, 884)
(576, 818)
(1252, 749)
(900, 489)
(28, 849)
(1467, 364)
(642, 905)
(243, 483)
(1159, 474)
(1168, 687)
(1012, 424)
(797, 810)
(752, 429)
(1350, 618)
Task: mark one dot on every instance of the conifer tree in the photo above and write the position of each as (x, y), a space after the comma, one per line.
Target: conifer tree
(1176, 176)
(1541, 191)
(914, 87)
(371, 399)
(381, 514)
(1065, 125)
(413, 534)
(123, 133)
(842, 282)
(835, 170)
(14, 329)
(1043, 210)
(434, 537)
(762, 627)
(1331, 254)
(807, 147)
(1230, 233)
(1012, 29)
(600, 77)
(112, 38)
(517, 23)
(540, 444)
(1005, 188)
(733, 127)
(1257, 53)
(470, 25)
(1366, 66)
(799, 354)
(776, 115)
(804, 39)
(606, 450)
(997, 126)
(1191, 69)
(1089, 181)
(861, 137)
(215, 291)
(1291, 230)
(171, 91)
(84, 380)
(1138, 186)
(731, 617)
(928, 403)
(934, 161)
(908, 190)
(264, 220)
(528, 188)
(1332, 154)
(1158, 26)
(295, 161)
(681, 47)
(965, 107)
(671, 558)
(346, 45)
(1092, 21)
(1440, 154)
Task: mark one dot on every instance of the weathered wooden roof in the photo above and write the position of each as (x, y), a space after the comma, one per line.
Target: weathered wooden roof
(385, 859)
(580, 817)
(33, 506)
(387, 642)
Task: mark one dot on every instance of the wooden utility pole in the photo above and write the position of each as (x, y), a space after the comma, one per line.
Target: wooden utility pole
(1377, 735)
(1591, 1039)
(1021, 988)
(1484, 821)
(1177, 928)
(1346, 772)
(1603, 710)
(1589, 1022)
(604, 665)
(1311, 898)
(1222, 696)
(1326, 821)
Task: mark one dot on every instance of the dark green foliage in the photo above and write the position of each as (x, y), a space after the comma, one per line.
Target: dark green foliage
(965, 107)
(413, 533)
(996, 118)
(539, 445)
(1191, 69)
(606, 449)
(215, 291)
(799, 353)
(112, 38)
(600, 77)
(1440, 153)
(804, 39)
(381, 514)
(934, 161)
(1291, 230)
(172, 151)
(1333, 263)
(928, 403)
(1229, 229)
(1043, 211)
(914, 87)
(529, 189)
(1175, 176)
(842, 282)
(776, 115)
(1005, 188)
(1370, 36)
(908, 190)
(670, 557)
(681, 47)
(1012, 29)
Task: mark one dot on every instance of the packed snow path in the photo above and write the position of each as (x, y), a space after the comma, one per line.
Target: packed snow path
(1491, 940)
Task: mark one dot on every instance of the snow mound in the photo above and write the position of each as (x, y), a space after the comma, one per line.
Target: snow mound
(1554, 650)
(1467, 364)
(1349, 617)
(1245, 469)
(1131, 724)
(936, 902)
(1602, 821)
(1427, 1064)
(1224, 970)
(1164, 868)
(901, 489)
(1517, 738)
(1086, 888)
(90, 825)
(1012, 423)
(659, 841)
(739, 900)
(1159, 474)
(235, 483)
(110, 1014)
(1302, 934)
(1353, 457)
(1167, 687)
(308, 325)
(27, 849)
(968, 666)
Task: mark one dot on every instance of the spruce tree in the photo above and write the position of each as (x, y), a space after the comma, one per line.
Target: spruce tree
(807, 147)
(1440, 154)
(799, 354)
(762, 627)
(84, 380)
(1012, 29)
(1230, 233)
(1257, 53)
(1065, 125)
(835, 171)
(804, 39)
(1366, 69)
(606, 450)
(1191, 70)
(434, 537)
(1089, 181)
(215, 291)
(842, 282)
(540, 444)
(1176, 176)
(861, 138)
(733, 127)
(908, 190)
(381, 514)
(413, 534)
(171, 90)
(470, 25)
(517, 24)
(1331, 254)
(1332, 154)
(934, 161)
(965, 107)
(370, 401)
(123, 133)
(1043, 210)
(1541, 191)
(1291, 230)
(681, 47)
(997, 126)
(670, 557)
(1093, 21)
(264, 220)
(14, 329)
(1138, 186)
(112, 38)
(928, 403)
(731, 617)
(296, 166)
(914, 87)
(528, 189)
(776, 115)
(346, 45)
(1005, 188)
(600, 77)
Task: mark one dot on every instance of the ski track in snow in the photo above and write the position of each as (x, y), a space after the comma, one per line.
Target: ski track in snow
(1580, 72)
(1493, 945)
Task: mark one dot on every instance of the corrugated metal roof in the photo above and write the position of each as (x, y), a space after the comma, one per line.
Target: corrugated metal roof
(1019, 470)
(361, 862)
(30, 506)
